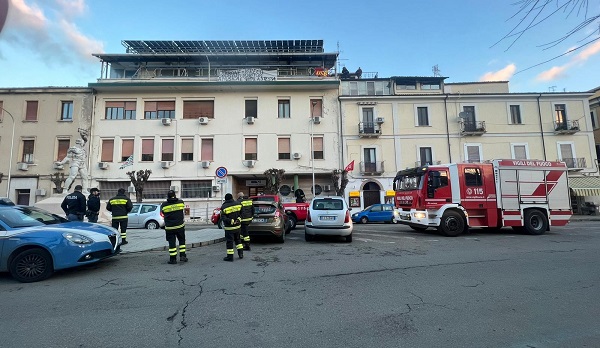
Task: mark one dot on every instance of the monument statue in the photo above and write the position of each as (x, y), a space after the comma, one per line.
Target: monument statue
(77, 157)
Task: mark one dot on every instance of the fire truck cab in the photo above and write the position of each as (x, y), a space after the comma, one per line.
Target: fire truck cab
(526, 195)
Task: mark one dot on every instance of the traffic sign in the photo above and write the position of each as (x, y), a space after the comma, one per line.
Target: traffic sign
(221, 172)
(221, 180)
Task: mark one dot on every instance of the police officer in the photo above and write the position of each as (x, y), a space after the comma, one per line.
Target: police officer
(74, 205)
(172, 209)
(93, 205)
(231, 217)
(120, 205)
(246, 215)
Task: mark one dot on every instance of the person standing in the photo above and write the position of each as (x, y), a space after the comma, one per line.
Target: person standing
(74, 205)
(231, 217)
(172, 209)
(120, 205)
(93, 205)
(246, 214)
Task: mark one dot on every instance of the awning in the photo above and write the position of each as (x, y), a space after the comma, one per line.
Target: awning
(585, 185)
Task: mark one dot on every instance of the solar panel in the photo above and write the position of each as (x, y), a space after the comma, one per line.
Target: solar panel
(223, 46)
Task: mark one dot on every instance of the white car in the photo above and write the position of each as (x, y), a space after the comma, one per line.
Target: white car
(146, 215)
(328, 216)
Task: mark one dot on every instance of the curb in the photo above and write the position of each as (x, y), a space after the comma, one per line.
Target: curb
(192, 245)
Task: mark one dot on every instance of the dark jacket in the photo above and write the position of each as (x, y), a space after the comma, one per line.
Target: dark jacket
(74, 203)
(247, 210)
(93, 203)
(172, 209)
(120, 205)
(231, 214)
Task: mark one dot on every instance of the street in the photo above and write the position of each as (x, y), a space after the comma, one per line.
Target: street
(390, 287)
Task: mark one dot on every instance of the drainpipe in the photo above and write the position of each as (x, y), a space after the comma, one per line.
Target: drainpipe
(447, 128)
(541, 126)
(208, 67)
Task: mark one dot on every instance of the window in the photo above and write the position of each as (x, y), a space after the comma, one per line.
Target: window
(560, 113)
(28, 147)
(206, 150)
(159, 109)
(318, 148)
(32, 110)
(198, 108)
(250, 149)
(63, 146)
(126, 149)
(147, 149)
(442, 178)
(519, 151)
(196, 189)
(316, 107)
(473, 177)
(566, 153)
(67, 111)
(187, 149)
(592, 116)
(120, 110)
(283, 145)
(422, 116)
(430, 86)
(406, 86)
(156, 189)
(473, 153)
(251, 108)
(425, 155)
(108, 146)
(283, 108)
(515, 114)
(168, 149)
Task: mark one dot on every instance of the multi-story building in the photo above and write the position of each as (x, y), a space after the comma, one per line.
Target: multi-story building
(185, 108)
(594, 114)
(401, 122)
(37, 126)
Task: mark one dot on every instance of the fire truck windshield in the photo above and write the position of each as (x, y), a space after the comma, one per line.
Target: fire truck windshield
(408, 182)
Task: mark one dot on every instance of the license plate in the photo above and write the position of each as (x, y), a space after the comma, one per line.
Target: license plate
(327, 218)
(259, 220)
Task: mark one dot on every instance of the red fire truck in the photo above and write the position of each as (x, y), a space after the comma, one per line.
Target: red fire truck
(527, 195)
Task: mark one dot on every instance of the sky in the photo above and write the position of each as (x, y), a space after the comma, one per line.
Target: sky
(50, 42)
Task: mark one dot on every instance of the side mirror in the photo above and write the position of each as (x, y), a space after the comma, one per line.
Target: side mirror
(394, 186)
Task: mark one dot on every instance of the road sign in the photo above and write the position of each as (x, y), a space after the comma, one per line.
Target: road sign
(221, 180)
(221, 172)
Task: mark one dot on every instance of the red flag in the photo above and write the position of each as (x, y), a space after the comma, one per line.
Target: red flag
(350, 167)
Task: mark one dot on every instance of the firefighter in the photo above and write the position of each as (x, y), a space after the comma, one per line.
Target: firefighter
(246, 214)
(74, 205)
(172, 209)
(231, 216)
(120, 205)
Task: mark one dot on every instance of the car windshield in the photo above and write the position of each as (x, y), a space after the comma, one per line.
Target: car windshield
(328, 204)
(408, 182)
(19, 216)
(264, 208)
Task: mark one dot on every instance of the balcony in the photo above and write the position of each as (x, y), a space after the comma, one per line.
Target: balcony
(566, 127)
(574, 163)
(371, 168)
(369, 129)
(472, 127)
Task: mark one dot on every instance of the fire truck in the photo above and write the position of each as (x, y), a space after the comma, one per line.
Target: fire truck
(527, 195)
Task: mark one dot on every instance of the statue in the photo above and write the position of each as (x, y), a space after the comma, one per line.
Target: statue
(77, 158)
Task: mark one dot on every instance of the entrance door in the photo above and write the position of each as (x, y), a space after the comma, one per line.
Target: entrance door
(371, 194)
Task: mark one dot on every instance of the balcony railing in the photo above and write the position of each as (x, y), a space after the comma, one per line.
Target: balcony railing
(369, 129)
(574, 163)
(566, 127)
(472, 127)
(371, 168)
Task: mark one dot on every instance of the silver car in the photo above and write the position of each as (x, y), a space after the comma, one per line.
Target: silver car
(146, 215)
(328, 216)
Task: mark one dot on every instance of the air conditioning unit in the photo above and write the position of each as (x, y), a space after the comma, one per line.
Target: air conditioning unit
(296, 155)
(205, 164)
(380, 120)
(165, 164)
(174, 188)
(58, 165)
(326, 188)
(316, 119)
(130, 189)
(249, 120)
(166, 121)
(102, 165)
(216, 188)
(40, 192)
(22, 166)
(203, 120)
(250, 163)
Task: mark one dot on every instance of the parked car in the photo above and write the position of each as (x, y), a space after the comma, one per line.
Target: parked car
(376, 213)
(328, 216)
(34, 243)
(269, 220)
(216, 217)
(146, 215)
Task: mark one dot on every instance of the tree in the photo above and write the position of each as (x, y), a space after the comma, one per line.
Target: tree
(339, 179)
(274, 179)
(58, 179)
(138, 180)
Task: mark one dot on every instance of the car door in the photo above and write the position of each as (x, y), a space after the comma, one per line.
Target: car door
(134, 216)
(148, 212)
(375, 213)
(387, 212)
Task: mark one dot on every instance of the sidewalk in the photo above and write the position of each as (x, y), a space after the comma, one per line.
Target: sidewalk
(145, 240)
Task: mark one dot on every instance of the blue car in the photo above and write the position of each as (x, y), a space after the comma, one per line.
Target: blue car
(376, 213)
(34, 243)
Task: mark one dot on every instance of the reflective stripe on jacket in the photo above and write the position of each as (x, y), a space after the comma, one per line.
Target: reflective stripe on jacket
(247, 210)
(231, 215)
(120, 206)
(173, 211)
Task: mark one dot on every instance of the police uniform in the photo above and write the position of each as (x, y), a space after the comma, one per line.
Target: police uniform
(93, 205)
(231, 217)
(246, 214)
(172, 210)
(120, 205)
(74, 205)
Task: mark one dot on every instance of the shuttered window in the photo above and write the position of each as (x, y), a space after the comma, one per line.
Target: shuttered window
(63, 146)
(318, 148)
(126, 149)
(316, 107)
(147, 149)
(473, 155)
(168, 149)
(206, 150)
(159, 109)
(28, 147)
(250, 149)
(32, 111)
(187, 149)
(283, 146)
(520, 151)
(108, 146)
(198, 108)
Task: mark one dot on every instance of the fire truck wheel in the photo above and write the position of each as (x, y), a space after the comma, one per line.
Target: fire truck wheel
(293, 221)
(535, 222)
(452, 224)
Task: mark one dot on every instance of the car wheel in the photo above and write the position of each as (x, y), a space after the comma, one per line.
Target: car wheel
(31, 265)
(349, 238)
(281, 239)
(293, 222)
(220, 224)
(152, 225)
(308, 237)
(364, 220)
(288, 227)
(452, 224)
(535, 222)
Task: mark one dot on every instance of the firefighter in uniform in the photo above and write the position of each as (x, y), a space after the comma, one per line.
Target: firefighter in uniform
(247, 213)
(120, 205)
(172, 209)
(232, 220)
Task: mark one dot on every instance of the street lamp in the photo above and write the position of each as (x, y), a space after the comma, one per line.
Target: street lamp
(12, 144)
(312, 150)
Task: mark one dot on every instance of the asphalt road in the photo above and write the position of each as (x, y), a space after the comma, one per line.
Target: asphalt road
(391, 287)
